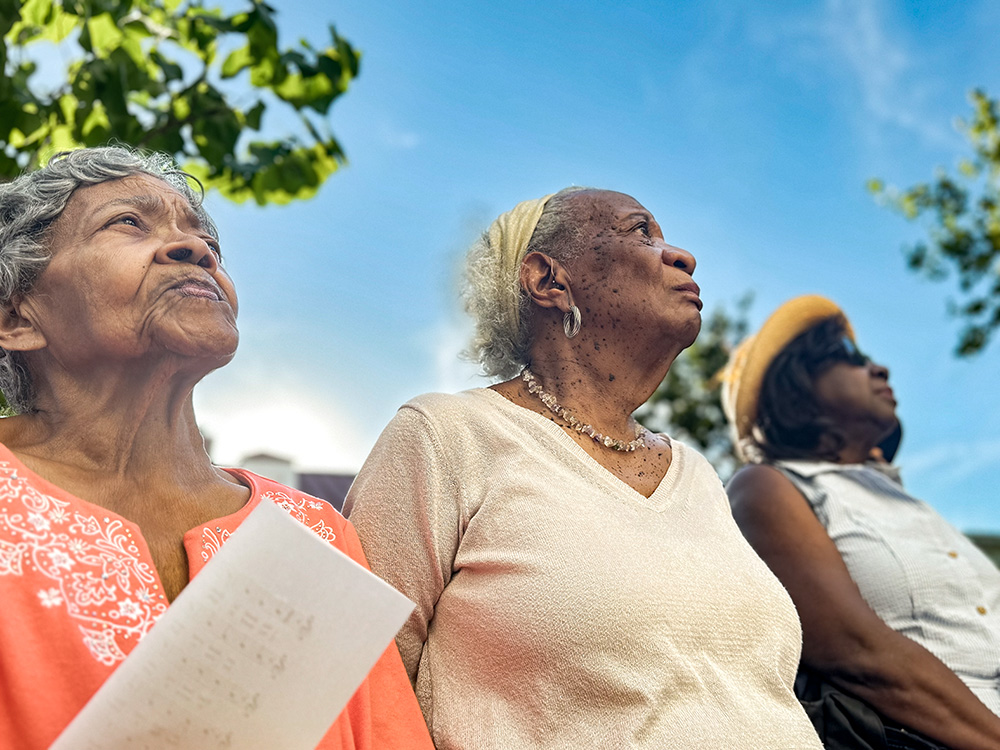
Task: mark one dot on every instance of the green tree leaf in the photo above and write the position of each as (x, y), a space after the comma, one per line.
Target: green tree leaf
(145, 72)
(961, 215)
(237, 61)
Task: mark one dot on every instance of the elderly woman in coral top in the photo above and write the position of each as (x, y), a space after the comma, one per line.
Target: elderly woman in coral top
(115, 304)
(579, 580)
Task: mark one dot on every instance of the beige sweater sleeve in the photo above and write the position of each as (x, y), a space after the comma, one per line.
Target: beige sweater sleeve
(406, 507)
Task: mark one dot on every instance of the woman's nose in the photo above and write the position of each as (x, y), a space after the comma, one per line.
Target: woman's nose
(879, 371)
(678, 258)
(190, 249)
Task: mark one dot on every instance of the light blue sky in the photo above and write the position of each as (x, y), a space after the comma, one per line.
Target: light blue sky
(749, 130)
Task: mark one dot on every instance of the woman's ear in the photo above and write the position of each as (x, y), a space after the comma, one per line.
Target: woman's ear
(546, 281)
(17, 331)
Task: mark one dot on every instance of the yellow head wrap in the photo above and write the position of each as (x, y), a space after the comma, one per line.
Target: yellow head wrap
(509, 237)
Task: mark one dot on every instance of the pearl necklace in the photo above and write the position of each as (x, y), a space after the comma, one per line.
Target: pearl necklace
(535, 389)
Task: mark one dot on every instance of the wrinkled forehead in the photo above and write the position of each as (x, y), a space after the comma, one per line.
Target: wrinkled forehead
(604, 205)
(141, 192)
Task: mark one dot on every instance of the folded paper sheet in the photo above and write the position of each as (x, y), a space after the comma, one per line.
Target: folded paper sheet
(263, 649)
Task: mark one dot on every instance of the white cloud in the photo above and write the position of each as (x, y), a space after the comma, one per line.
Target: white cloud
(255, 415)
(855, 39)
(881, 64)
(398, 138)
(950, 463)
(446, 341)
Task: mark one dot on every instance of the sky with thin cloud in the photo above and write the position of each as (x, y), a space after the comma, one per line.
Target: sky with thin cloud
(749, 130)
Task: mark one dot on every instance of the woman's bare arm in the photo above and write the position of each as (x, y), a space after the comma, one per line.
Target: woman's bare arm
(842, 637)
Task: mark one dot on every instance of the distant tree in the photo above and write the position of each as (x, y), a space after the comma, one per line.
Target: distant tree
(962, 213)
(687, 404)
(988, 543)
(158, 74)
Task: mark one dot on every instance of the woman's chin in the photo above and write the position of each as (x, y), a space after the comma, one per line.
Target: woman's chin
(212, 345)
(686, 333)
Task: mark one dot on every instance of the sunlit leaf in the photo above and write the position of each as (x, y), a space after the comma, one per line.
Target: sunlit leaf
(963, 225)
(236, 61)
(316, 92)
(105, 36)
(181, 107)
(142, 71)
(36, 12)
(96, 120)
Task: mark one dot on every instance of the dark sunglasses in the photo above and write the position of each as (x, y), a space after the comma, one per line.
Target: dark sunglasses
(845, 350)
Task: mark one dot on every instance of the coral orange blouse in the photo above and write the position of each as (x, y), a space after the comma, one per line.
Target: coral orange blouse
(78, 590)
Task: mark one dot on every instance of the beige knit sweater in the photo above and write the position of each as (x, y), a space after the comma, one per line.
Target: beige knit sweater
(559, 608)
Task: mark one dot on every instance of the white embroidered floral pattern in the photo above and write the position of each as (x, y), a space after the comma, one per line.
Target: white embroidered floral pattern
(298, 507)
(90, 566)
(212, 541)
(72, 557)
(50, 597)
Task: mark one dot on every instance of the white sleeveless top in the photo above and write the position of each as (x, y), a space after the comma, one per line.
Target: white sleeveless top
(922, 576)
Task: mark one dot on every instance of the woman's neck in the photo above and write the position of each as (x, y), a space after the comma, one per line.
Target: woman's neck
(600, 389)
(854, 454)
(127, 425)
(851, 446)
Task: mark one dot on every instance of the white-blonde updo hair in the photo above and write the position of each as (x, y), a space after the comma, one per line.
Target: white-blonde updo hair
(492, 291)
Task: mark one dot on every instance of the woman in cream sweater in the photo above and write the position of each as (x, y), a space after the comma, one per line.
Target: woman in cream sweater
(579, 580)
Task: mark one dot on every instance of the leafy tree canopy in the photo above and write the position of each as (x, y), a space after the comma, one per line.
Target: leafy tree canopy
(687, 404)
(160, 74)
(962, 213)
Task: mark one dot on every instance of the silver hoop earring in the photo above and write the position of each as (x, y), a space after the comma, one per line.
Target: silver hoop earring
(572, 321)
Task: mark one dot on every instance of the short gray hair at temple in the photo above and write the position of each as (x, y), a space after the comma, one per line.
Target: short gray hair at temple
(501, 350)
(29, 206)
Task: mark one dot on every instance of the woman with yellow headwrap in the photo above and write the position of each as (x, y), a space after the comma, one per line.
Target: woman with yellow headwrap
(579, 580)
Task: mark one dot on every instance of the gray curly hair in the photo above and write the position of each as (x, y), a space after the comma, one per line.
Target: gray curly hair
(500, 346)
(30, 205)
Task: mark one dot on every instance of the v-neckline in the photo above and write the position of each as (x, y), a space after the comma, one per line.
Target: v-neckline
(657, 500)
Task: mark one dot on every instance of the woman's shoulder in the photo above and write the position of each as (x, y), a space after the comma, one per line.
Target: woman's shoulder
(450, 412)
(690, 460)
(756, 474)
(8, 430)
(784, 473)
(18, 431)
(441, 404)
(314, 512)
(763, 486)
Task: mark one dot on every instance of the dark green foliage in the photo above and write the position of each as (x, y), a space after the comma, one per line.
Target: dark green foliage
(988, 543)
(150, 73)
(687, 404)
(962, 213)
